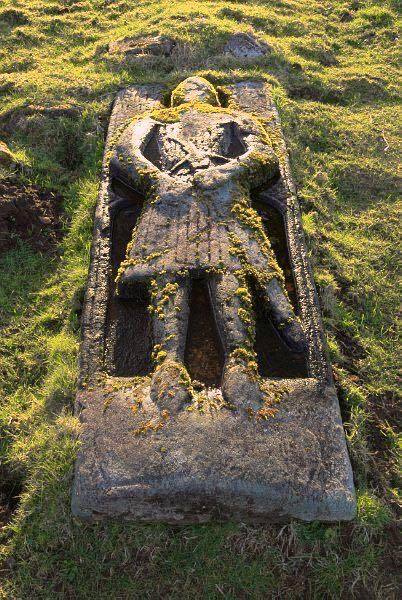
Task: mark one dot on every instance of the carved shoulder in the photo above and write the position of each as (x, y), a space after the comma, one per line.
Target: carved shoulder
(128, 161)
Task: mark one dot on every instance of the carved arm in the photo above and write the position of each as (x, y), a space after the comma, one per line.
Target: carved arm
(128, 162)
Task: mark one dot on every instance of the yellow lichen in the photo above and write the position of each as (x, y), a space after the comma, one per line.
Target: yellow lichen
(152, 424)
(208, 401)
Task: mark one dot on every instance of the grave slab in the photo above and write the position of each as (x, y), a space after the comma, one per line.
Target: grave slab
(205, 390)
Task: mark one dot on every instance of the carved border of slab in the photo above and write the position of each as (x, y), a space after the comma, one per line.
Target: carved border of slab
(254, 97)
(129, 102)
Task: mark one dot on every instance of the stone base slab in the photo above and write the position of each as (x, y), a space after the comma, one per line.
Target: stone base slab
(218, 465)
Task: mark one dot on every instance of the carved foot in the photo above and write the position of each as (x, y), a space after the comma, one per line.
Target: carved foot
(170, 386)
(284, 319)
(293, 335)
(240, 388)
(133, 283)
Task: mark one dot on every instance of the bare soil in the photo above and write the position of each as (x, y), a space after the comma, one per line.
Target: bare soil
(10, 490)
(30, 214)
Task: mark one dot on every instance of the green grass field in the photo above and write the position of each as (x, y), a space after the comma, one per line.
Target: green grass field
(333, 72)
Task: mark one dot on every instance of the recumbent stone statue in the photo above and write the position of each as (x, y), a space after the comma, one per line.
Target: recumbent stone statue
(196, 164)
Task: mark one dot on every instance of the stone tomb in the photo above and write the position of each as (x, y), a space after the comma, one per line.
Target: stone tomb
(205, 390)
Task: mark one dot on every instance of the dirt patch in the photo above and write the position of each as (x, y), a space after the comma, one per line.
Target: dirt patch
(383, 417)
(204, 353)
(5, 513)
(10, 491)
(351, 349)
(386, 407)
(30, 214)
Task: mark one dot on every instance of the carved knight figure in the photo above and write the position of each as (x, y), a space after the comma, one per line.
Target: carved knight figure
(196, 163)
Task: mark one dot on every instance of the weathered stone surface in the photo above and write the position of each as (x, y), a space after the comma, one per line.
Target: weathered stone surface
(246, 45)
(197, 467)
(160, 447)
(133, 46)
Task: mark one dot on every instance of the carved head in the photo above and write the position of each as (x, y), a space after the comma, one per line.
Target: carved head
(195, 89)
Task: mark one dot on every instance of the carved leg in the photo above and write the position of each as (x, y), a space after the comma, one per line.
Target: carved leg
(284, 318)
(170, 308)
(232, 304)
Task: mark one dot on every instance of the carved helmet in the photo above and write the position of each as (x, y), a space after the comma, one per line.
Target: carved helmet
(195, 89)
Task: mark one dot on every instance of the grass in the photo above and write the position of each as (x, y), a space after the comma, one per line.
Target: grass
(333, 72)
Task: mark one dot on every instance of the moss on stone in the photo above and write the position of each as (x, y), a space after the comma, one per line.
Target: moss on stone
(183, 90)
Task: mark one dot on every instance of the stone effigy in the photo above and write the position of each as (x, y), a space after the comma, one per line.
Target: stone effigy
(185, 201)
